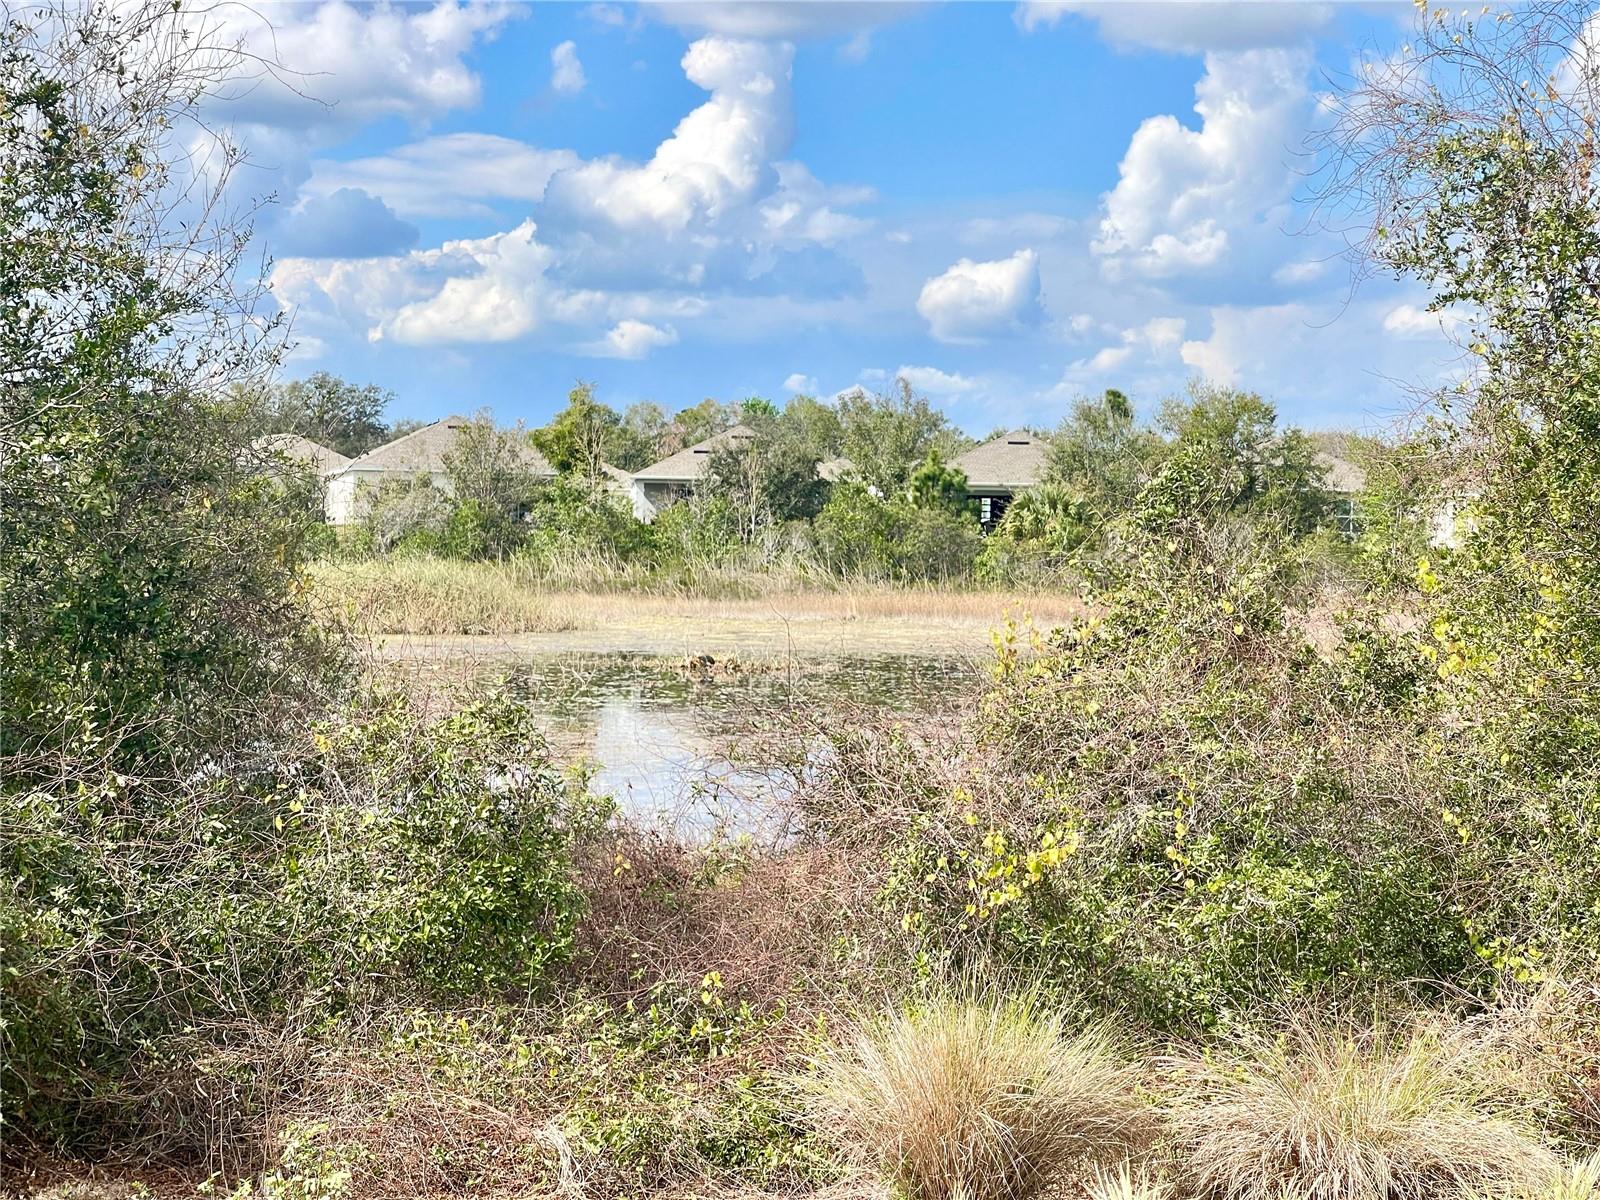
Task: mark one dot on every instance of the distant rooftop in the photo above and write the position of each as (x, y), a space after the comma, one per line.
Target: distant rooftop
(323, 459)
(1010, 462)
(688, 464)
(1342, 474)
(422, 451)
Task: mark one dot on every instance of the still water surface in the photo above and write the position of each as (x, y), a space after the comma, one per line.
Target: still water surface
(690, 747)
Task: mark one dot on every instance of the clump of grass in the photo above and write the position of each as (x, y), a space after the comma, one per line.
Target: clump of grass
(1575, 1181)
(1326, 1114)
(985, 1100)
(1127, 1182)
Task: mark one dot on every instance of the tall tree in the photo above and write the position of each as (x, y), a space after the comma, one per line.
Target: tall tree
(769, 477)
(886, 436)
(696, 424)
(637, 440)
(580, 436)
(1232, 439)
(343, 416)
(491, 467)
(1475, 155)
(1101, 453)
(816, 424)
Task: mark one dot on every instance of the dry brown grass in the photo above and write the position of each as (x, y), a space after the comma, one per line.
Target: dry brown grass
(1327, 1114)
(426, 596)
(986, 1100)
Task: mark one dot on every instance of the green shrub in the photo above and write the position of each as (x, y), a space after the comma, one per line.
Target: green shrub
(152, 925)
(405, 516)
(859, 535)
(1037, 536)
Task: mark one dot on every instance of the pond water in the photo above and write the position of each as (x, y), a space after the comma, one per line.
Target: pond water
(693, 746)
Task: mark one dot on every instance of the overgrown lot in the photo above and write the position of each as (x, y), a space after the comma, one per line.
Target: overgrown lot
(1181, 906)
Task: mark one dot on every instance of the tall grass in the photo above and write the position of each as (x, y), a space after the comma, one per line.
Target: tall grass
(427, 596)
(1326, 1114)
(983, 1100)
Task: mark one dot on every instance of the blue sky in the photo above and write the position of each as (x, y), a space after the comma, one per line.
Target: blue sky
(1010, 204)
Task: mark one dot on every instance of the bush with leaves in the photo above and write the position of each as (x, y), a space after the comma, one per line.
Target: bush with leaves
(1172, 809)
(860, 536)
(1036, 538)
(405, 516)
(153, 925)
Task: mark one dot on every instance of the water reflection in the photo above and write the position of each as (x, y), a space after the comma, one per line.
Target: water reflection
(686, 744)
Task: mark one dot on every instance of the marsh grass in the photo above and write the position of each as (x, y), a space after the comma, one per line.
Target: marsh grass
(426, 596)
(1322, 1113)
(987, 1100)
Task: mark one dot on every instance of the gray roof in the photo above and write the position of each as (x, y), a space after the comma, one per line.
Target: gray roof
(1342, 474)
(690, 463)
(323, 460)
(1010, 462)
(422, 451)
(831, 470)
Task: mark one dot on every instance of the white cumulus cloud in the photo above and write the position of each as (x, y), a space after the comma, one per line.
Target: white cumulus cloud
(630, 338)
(931, 381)
(447, 175)
(800, 385)
(1193, 200)
(718, 158)
(1158, 336)
(973, 300)
(1412, 321)
(566, 71)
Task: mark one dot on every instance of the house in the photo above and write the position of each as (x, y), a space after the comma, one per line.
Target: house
(420, 453)
(1000, 468)
(674, 478)
(321, 459)
(1345, 480)
(271, 451)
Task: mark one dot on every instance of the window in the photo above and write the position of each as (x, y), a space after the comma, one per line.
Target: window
(1346, 518)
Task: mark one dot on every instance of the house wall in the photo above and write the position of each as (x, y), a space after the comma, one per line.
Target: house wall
(651, 496)
(345, 506)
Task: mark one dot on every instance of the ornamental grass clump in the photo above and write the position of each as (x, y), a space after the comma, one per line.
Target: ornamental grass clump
(1327, 1114)
(989, 1100)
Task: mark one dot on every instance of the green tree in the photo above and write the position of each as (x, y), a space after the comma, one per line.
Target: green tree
(150, 575)
(1478, 160)
(637, 440)
(816, 425)
(1227, 442)
(494, 482)
(580, 437)
(342, 416)
(936, 484)
(769, 477)
(1102, 453)
(695, 424)
(885, 437)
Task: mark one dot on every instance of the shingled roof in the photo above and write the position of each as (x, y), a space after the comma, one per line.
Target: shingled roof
(1010, 462)
(323, 459)
(422, 451)
(690, 463)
